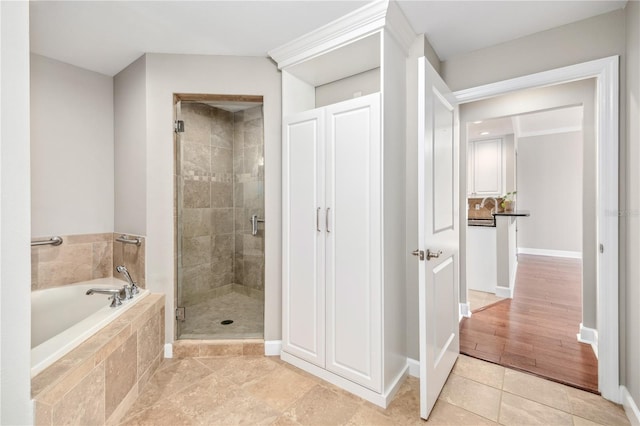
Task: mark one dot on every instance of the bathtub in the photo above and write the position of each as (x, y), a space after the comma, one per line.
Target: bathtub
(63, 317)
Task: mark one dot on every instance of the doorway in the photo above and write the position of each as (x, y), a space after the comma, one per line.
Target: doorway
(219, 214)
(605, 245)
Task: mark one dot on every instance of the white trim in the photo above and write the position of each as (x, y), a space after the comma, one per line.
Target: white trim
(630, 406)
(512, 278)
(399, 27)
(550, 131)
(376, 398)
(554, 253)
(414, 367)
(505, 292)
(465, 310)
(272, 347)
(589, 336)
(607, 93)
(168, 350)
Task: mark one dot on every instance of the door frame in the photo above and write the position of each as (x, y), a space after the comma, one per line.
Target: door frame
(605, 71)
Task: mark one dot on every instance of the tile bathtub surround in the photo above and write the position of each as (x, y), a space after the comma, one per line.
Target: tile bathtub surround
(98, 381)
(264, 390)
(79, 258)
(131, 256)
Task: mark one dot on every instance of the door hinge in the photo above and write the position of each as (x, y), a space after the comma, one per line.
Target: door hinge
(181, 314)
(601, 248)
(178, 126)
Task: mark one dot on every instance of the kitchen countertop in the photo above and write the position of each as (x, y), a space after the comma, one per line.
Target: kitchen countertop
(491, 222)
(521, 213)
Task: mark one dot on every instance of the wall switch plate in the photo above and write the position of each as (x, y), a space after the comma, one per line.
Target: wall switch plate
(477, 206)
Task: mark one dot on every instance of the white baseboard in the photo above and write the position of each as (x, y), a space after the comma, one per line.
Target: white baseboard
(414, 367)
(465, 311)
(168, 350)
(272, 347)
(504, 292)
(554, 253)
(630, 406)
(589, 336)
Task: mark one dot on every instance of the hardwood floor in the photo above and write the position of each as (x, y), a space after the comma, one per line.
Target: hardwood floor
(536, 330)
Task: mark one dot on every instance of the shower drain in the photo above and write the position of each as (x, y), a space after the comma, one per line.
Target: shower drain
(226, 322)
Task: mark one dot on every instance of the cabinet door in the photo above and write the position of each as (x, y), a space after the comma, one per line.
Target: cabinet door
(303, 241)
(487, 167)
(353, 252)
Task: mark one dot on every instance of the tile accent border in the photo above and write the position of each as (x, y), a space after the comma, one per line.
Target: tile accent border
(98, 381)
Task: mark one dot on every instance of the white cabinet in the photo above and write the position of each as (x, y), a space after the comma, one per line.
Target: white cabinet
(485, 168)
(344, 245)
(333, 239)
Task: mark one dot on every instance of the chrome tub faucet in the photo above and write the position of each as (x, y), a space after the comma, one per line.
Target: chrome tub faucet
(118, 294)
(132, 288)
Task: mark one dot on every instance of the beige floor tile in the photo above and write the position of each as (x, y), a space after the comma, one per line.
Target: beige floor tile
(480, 299)
(515, 410)
(240, 370)
(595, 408)
(536, 389)
(479, 371)
(171, 377)
(367, 416)
(579, 421)
(320, 406)
(444, 413)
(472, 396)
(163, 414)
(279, 388)
(405, 406)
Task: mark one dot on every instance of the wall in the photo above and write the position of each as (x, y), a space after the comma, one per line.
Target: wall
(15, 215)
(71, 149)
(129, 144)
(550, 187)
(575, 93)
(169, 74)
(367, 82)
(630, 294)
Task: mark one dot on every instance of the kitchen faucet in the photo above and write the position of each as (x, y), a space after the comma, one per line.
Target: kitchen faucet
(132, 288)
(495, 203)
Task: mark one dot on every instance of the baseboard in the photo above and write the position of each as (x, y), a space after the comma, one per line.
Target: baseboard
(272, 347)
(465, 311)
(381, 400)
(630, 406)
(506, 292)
(554, 253)
(414, 367)
(589, 336)
(168, 350)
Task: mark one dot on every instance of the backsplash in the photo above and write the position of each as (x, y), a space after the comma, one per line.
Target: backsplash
(484, 212)
(85, 257)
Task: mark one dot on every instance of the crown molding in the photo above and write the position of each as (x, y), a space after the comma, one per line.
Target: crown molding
(353, 26)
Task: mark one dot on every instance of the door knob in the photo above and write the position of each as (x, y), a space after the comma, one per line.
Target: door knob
(419, 253)
(433, 254)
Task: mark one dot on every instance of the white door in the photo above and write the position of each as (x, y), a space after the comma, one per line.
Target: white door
(303, 245)
(353, 238)
(438, 210)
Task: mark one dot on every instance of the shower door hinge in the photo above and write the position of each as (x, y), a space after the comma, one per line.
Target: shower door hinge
(178, 126)
(180, 314)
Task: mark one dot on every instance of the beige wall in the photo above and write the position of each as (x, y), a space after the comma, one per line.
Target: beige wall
(130, 141)
(550, 187)
(630, 293)
(15, 214)
(366, 83)
(71, 149)
(169, 74)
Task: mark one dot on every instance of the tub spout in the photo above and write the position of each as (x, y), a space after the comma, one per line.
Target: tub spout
(132, 288)
(118, 294)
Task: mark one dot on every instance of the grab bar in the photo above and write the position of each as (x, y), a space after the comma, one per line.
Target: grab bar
(128, 240)
(54, 241)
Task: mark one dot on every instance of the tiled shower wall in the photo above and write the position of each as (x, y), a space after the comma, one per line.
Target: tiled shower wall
(222, 175)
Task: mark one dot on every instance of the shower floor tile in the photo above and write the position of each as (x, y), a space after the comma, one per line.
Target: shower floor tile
(203, 320)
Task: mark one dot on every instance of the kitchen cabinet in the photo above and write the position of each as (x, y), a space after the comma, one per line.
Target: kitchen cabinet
(485, 168)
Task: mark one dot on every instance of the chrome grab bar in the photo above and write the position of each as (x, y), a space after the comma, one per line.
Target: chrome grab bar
(54, 241)
(254, 224)
(128, 240)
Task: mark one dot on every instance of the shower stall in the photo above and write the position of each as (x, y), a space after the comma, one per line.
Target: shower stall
(219, 216)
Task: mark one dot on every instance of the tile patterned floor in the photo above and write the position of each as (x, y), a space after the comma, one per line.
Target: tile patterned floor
(265, 390)
(480, 299)
(203, 319)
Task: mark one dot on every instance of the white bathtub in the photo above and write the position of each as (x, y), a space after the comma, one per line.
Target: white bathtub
(63, 317)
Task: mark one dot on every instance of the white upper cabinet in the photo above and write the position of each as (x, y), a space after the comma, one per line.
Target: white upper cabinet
(485, 168)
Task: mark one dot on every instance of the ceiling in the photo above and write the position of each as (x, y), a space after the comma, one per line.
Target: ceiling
(559, 120)
(106, 36)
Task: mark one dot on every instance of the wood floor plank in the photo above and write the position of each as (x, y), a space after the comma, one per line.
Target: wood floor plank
(536, 330)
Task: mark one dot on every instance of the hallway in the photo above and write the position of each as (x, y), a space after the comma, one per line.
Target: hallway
(536, 330)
